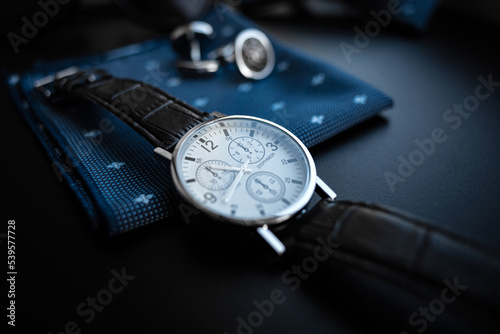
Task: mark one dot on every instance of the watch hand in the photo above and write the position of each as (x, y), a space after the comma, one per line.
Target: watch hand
(230, 191)
(265, 186)
(232, 169)
(244, 148)
(210, 170)
(262, 184)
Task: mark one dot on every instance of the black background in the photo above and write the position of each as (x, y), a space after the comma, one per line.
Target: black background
(189, 281)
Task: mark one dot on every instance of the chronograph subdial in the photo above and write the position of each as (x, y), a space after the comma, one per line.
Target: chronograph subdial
(244, 149)
(265, 187)
(212, 178)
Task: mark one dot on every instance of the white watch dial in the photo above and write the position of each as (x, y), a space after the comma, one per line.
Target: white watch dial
(244, 169)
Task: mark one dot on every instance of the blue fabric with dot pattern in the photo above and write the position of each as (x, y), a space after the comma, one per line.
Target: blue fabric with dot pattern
(113, 171)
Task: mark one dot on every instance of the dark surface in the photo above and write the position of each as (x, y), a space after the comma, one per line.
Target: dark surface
(189, 281)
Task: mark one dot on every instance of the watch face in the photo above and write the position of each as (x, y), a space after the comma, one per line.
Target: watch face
(244, 170)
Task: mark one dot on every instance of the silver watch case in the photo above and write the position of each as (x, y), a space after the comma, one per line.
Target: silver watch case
(284, 215)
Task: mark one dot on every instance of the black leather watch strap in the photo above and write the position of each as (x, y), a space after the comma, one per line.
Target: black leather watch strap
(158, 116)
(388, 243)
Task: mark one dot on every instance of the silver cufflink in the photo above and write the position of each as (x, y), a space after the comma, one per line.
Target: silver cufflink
(186, 40)
(252, 52)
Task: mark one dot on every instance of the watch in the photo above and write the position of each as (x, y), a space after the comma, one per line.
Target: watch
(250, 172)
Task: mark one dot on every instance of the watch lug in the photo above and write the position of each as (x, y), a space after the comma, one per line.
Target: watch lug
(164, 153)
(324, 190)
(217, 114)
(271, 239)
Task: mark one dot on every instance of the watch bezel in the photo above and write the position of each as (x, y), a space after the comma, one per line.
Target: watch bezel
(286, 214)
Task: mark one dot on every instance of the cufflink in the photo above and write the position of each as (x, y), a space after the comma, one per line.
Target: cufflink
(185, 39)
(252, 52)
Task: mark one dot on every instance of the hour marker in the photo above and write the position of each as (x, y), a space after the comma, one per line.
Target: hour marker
(291, 160)
(285, 201)
(252, 133)
(222, 124)
(226, 133)
(253, 124)
(190, 158)
(276, 142)
(190, 180)
(202, 140)
(262, 212)
(296, 181)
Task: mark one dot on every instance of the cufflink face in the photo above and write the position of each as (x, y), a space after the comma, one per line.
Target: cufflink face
(254, 54)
